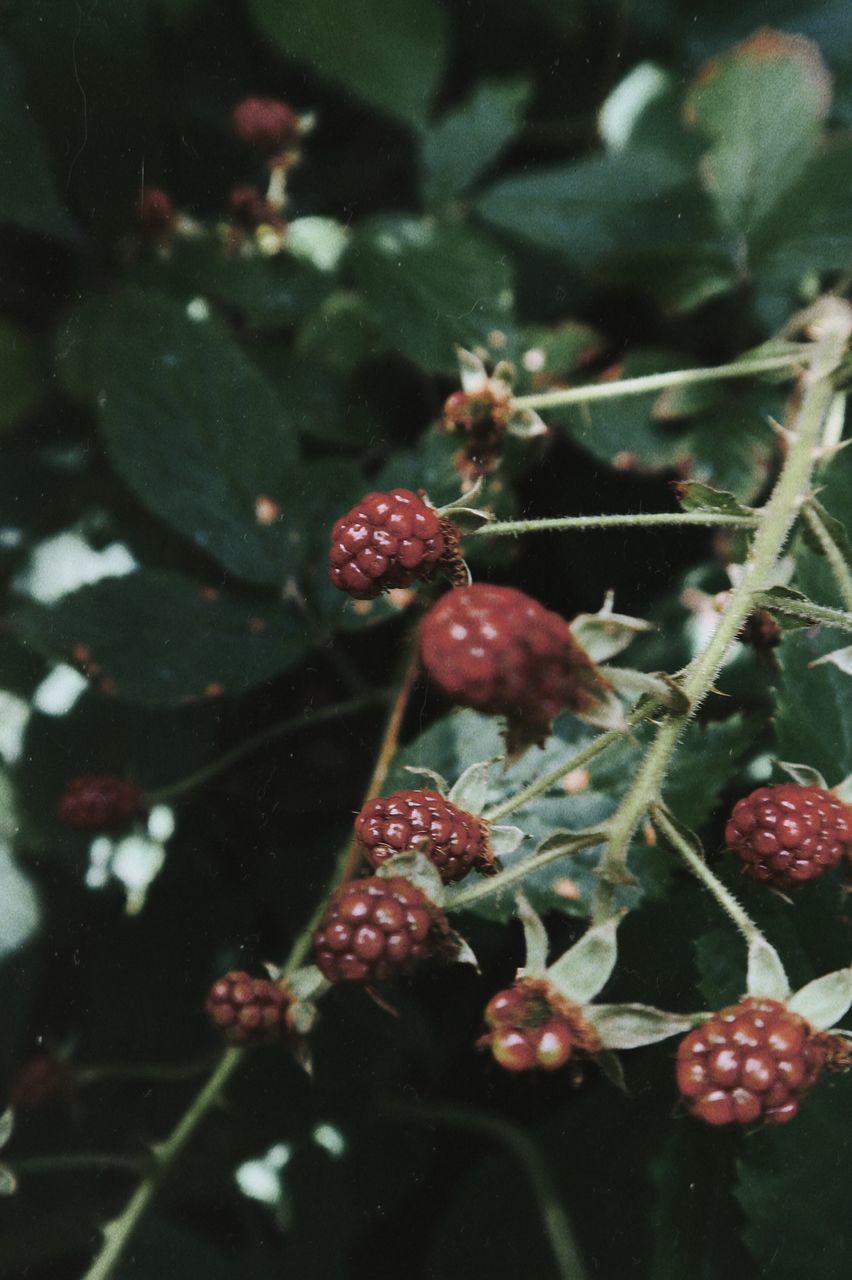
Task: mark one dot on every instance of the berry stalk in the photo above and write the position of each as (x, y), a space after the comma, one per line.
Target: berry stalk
(648, 519)
(831, 551)
(660, 381)
(792, 488)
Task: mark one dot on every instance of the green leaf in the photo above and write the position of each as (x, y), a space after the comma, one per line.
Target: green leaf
(766, 976)
(20, 384)
(803, 774)
(762, 104)
(160, 639)
(812, 721)
(793, 1186)
(824, 1001)
(694, 496)
(709, 759)
(471, 788)
(388, 52)
(586, 211)
(431, 286)
(28, 195)
(811, 228)
(536, 942)
(585, 969)
(604, 634)
(630, 1026)
(465, 141)
(198, 435)
(794, 609)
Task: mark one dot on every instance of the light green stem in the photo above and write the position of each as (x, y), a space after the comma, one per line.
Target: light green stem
(832, 553)
(698, 866)
(660, 381)
(488, 886)
(649, 519)
(549, 779)
(790, 492)
(118, 1232)
(807, 611)
(555, 1220)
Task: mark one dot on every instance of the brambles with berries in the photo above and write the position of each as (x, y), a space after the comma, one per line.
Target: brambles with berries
(424, 822)
(499, 651)
(375, 929)
(247, 1010)
(387, 541)
(532, 1026)
(789, 835)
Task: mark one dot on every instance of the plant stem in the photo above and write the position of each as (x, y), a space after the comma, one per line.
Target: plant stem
(660, 381)
(698, 866)
(486, 888)
(292, 725)
(387, 749)
(118, 1232)
(790, 492)
(550, 778)
(94, 1160)
(555, 1220)
(831, 551)
(642, 519)
(807, 611)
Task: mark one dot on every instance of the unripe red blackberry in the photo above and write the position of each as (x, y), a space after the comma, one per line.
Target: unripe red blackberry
(423, 822)
(265, 124)
(387, 540)
(155, 211)
(247, 1010)
(480, 419)
(749, 1063)
(375, 928)
(94, 801)
(789, 834)
(533, 1026)
(501, 652)
(761, 631)
(250, 208)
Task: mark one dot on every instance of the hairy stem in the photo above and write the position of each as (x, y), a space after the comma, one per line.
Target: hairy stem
(661, 381)
(640, 520)
(699, 868)
(555, 1220)
(550, 779)
(790, 492)
(833, 554)
(486, 888)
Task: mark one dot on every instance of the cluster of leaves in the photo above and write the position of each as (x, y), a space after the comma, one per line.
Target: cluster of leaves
(180, 430)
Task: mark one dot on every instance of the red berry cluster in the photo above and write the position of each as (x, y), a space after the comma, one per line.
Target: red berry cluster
(423, 822)
(375, 928)
(533, 1026)
(751, 1062)
(387, 540)
(789, 834)
(247, 1010)
(480, 418)
(266, 124)
(94, 801)
(501, 652)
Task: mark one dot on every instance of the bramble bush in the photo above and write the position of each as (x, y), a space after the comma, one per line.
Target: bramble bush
(425, 751)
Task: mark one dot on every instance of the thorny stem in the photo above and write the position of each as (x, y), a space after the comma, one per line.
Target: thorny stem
(550, 779)
(641, 519)
(294, 724)
(831, 551)
(790, 492)
(807, 611)
(698, 866)
(555, 1220)
(660, 381)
